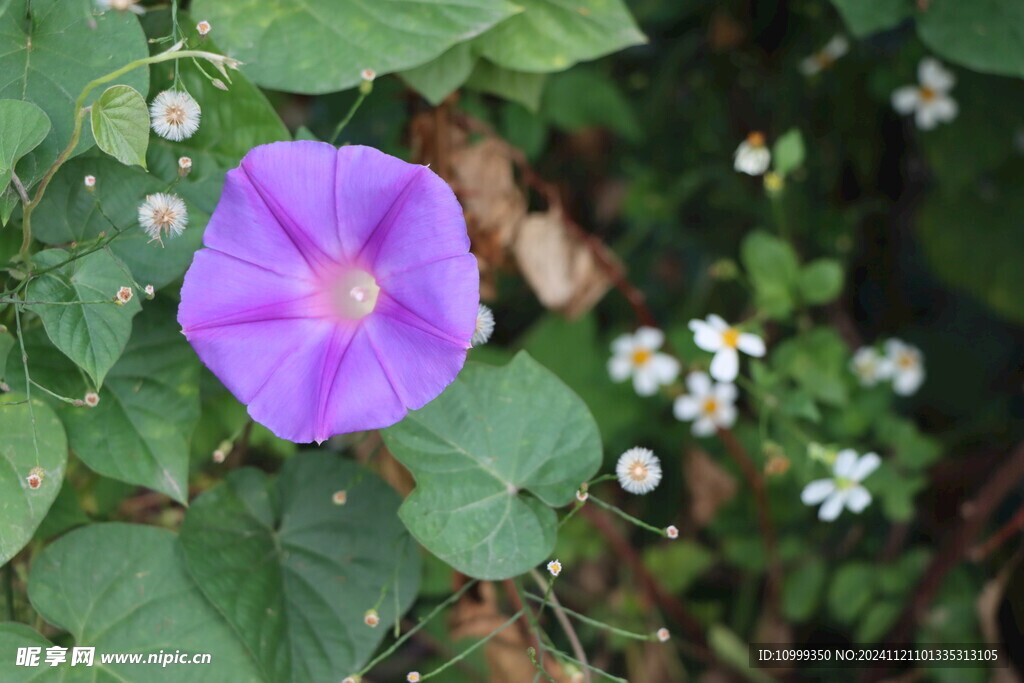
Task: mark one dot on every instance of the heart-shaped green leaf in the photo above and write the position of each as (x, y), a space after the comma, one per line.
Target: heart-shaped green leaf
(23, 126)
(339, 39)
(32, 437)
(49, 51)
(149, 405)
(492, 455)
(123, 588)
(120, 124)
(83, 320)
(294, 571)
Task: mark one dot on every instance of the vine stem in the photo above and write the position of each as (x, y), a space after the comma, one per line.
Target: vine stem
(465, 653)
(81, 110)
(570, 632)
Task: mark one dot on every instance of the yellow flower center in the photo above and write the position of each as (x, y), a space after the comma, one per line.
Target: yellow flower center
(927, 94)
(756, 139)
(905, 360)
(710, 406)
(641, 356)
(731, 337)
(842, 483)
(638, 471)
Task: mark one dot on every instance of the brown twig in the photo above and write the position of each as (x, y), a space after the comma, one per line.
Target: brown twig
(764, 514)
(1008, 531)
(958, 542)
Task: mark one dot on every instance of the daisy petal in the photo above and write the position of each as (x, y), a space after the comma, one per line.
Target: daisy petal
(650, 338)
(867, 464)
(817, 491)
(686, 408)
(644, 382)
(664, 367)
(699, 384)
(703, 427)
(705, 336)
(905, 99)
(623, 344)
(725, 393)
(832, 506)
(725, 365)
(846, 462)
(620, 368)
(932, 75)
(857, 499)
(751, 344)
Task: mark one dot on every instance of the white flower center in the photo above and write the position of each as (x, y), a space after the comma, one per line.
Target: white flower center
(354, 294)
(638, 471)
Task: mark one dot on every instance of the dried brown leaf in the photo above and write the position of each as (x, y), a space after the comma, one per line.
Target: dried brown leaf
(710, 486)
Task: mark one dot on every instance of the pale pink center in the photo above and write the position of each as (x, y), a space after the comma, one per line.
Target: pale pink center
(353, 294)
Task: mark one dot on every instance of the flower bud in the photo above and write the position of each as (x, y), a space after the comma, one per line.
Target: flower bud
(184, 166)
(202, 28)
(90, 183)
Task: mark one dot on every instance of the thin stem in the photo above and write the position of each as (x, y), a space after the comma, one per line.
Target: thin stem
(629, 518)
(16, 181)
(348, 117)
(465, 653)
(423, 622)
(598, 624)
(541, 671)
(586, 667)
(28, 380)
(570, 632)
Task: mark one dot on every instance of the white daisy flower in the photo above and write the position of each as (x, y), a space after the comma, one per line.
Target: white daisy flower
(638, 470)
(484, 325)
(663, 635)
(825, 57)
(636, 355)
(870, 366)
(672, 532)
(121, 5)
(844, 488)
(929, 101)
(723, 340)
(707, 406)
(554, 567)
(752, 156)
(907, 365)
(174, 115)
(203, 28)
(163, 214)
(371, 618)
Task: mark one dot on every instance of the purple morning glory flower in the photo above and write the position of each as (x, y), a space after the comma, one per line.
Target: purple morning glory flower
(335, 291)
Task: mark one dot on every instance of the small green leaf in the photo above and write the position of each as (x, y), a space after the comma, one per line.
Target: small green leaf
(802, 588)
(440, 77)
(817, 361)
(879, 618)
(32, 437)
(93, 335)
(120, 124)
(552, 35)
(584, 97)
(23, 126)
(984, 35)
(821, 281)
(294, 572)
(852, 587)
(865, 17)
(13, 636)
(773, 269)
(679, 563)
(788, 152)
(124, 588)
(517, 86)
(519, 441)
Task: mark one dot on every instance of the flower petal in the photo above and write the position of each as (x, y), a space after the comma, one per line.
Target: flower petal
(623, 344)
(705, 426)
(686, 408)
(751, 344)
(620, 367)
(725, 365)
(644, 382)
(817, 491)
(444, 294)
(845, 464)
(932, 75)
(718, 323)
(725, 393)
(725, 416)
(858, 498)
(699, 384)
(867, 464)
(650, 338)
(906, 99)
(705, 336)
(295, 181)
(831, 508)
(423, 224)
(664, 367)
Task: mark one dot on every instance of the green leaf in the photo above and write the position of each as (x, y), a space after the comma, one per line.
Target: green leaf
(552, 35)
(93, 335)
(519, 442)
(773, 269)
(821, 281)
(120, 124)
(879, 618)
(973, 241)
(851, 589)
(517, 86)
(14, 635)
(911, 449)
(865, 17)
(679, 563)
(124, 588)
(981, 34)
(817, 361)
(149, 405)
(801, 590)
(23, 126)
(294, 573)
(233, 122)
(440, 77)
(70, 213)
(731, 649)
(341, 39)
(584, 97)
(788, 152)
(65, 514)
(32, 437)
(49, 59)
